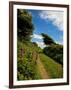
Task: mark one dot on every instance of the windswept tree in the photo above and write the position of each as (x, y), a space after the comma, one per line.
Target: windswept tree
(47, 40)
(55, 51)
(24, 25)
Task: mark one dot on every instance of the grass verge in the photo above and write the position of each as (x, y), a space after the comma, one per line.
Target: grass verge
(53, 68)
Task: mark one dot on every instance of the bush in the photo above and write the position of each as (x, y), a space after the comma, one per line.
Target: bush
(55, 52)
(25, 64)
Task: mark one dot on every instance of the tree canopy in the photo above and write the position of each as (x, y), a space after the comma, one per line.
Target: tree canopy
(24, 25)
(47, 39)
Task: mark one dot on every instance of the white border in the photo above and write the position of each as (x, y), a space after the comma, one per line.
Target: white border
(27, 82)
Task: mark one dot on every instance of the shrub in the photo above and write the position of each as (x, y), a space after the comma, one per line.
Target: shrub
(55, 52)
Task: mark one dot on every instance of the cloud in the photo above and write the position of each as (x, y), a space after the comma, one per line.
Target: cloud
(60, 42)
(41, 44)
(55, 16)
(36, 36)
(39, 40)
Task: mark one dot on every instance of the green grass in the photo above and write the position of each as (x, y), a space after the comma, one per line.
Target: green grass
(37, 74)
(53, 68)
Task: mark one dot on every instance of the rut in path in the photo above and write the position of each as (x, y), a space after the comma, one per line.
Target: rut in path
(42, 70)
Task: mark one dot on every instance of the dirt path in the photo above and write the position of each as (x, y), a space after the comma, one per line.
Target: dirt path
(41, 68)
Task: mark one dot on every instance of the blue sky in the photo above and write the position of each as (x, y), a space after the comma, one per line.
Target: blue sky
(47, 22)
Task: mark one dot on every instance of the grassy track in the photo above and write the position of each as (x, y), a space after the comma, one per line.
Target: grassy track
(42, 70)
(53, 68)
(36, 71)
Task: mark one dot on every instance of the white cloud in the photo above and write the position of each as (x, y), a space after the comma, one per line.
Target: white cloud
(36, 36)
(55, 16)
(60, 42)
(40, 44)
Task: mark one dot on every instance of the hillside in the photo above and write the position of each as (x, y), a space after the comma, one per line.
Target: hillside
(53, 68)
(33, 64)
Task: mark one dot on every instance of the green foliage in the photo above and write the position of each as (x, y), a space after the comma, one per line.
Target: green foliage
(27, 69)
(26, 66)
(47, 39)
(55, 52)
(53, 68)
(35, 44)
(27, 51)
(24, 25)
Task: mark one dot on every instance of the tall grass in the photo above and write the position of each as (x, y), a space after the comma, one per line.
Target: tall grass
(26, 66)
